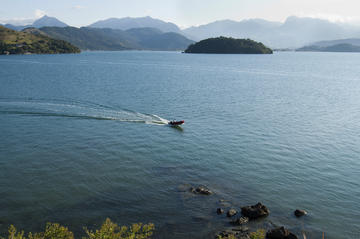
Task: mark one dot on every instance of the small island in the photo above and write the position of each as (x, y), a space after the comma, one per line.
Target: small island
(25, 42)
(228, 45)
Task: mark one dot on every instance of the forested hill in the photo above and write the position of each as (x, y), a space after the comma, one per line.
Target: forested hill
(87, 38)
(24, 42)
(226, 45)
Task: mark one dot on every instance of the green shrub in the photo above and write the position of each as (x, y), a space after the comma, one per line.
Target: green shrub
(108, 230)
(259, 234)
(53, 231)
(13, 234)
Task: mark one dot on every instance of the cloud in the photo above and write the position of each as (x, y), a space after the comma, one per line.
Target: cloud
(17, 21)
(332, 17)
(39, 13)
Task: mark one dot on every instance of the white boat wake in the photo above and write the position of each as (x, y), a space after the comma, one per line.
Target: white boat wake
(75, 109)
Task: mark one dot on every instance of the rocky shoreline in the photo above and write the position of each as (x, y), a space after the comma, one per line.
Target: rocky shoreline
(239, 219)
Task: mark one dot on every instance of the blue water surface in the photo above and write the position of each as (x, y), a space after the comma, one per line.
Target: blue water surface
(84, 137)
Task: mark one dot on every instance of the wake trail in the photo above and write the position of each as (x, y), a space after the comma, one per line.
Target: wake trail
(75, 109)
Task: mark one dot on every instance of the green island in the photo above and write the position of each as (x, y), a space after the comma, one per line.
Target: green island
(228, 45)
(25, 42)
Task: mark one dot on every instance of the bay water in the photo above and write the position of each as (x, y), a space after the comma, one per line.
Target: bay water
(84, 137)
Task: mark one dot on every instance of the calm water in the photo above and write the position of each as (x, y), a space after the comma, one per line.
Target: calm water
(83, 138)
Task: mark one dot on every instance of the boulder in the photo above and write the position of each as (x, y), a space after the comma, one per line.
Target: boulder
(219, 211)
(240, 221)
(201, 190)
(233, 234)
(231, 212)
(299, 212)
(255, 211)
(280, 233)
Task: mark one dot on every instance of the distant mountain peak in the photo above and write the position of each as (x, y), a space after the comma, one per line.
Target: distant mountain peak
(48, 22)
(136, 22)
(44, 21)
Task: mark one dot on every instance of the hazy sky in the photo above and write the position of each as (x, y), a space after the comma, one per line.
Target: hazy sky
(182, 12)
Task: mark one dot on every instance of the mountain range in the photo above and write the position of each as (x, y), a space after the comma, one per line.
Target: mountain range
(342, 45)
(295, 32)
(87, 38)
(351, 41)
(141, 22)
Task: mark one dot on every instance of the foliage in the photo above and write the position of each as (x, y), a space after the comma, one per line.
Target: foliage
(13, 42)
(109, 230)
(14, 234)
(53, 231)
(259, 234)
(228, 45)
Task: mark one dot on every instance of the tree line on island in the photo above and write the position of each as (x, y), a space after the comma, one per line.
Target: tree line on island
(228, 45)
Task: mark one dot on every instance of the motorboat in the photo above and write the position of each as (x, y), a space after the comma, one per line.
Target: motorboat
(176, 123)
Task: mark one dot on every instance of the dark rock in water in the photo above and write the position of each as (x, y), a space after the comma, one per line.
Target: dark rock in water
(201, 190)
(233, 234)
(240, 221)
(255, 211)
(231, 212)
(219, 211)
(299, 212)
(280, 233)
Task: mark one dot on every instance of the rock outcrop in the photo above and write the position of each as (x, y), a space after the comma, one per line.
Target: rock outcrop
(238, 233)
(231, 212)
(299, 212)
(280, 233)
(219, 211)
(240, 221)
(255, 211)
(201, 190)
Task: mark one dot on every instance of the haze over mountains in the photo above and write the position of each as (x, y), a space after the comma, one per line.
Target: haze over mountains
(295, 32)
(141, 22)
(41, 22)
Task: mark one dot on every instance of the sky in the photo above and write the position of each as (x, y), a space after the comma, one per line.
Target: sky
(184, 13)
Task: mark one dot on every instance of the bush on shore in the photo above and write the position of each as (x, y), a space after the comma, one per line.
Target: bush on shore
(109, 230)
